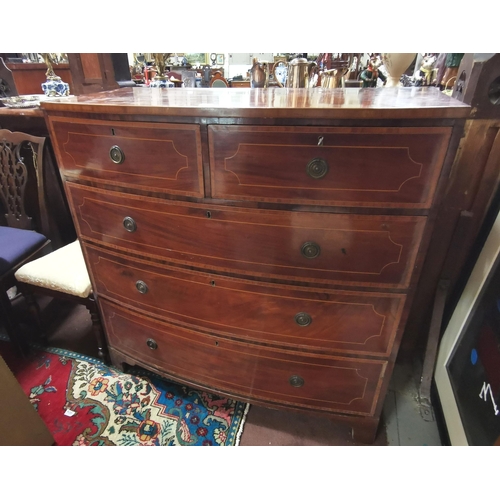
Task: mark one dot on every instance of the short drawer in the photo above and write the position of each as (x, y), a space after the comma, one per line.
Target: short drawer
(151, 156)
(376, 167)
(324, 383)
(368, 250)
(313, 319)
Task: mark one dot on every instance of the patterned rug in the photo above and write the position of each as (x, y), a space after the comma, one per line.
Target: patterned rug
(86, 403)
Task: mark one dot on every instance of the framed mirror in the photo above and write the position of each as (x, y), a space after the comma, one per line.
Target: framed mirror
(280, 72)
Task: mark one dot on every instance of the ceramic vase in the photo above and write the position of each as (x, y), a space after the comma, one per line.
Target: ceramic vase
(55, 87)
(396, 65)
(161, 82)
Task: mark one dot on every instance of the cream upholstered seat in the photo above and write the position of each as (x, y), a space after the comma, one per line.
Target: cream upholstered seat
(62, 274)
(63, 270)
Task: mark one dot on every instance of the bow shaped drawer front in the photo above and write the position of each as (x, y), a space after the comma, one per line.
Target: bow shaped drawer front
(348, 385)
(313, 319)
(368, 250)
(372, 167)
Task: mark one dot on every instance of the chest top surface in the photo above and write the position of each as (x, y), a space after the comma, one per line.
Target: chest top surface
(379, 103)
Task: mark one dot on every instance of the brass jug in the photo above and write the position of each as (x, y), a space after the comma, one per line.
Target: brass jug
(333, 78)
(301, 73)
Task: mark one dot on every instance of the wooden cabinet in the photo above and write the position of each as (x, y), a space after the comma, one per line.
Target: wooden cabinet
(239, 83)
(262, 244)
(92, 72)
(29, 77)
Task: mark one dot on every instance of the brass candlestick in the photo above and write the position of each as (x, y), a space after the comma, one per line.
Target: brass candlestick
(160, 61)
(48, 59)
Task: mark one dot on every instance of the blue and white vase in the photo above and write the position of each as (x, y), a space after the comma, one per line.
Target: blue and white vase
(55, 87)
(162, 83)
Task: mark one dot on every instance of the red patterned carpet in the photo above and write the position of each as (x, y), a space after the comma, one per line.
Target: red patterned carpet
(86, 403)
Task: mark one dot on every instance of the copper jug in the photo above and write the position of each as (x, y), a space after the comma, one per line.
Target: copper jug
(301, 73)
(258, 74)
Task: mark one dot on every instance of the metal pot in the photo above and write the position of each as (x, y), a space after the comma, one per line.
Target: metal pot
(301, 73)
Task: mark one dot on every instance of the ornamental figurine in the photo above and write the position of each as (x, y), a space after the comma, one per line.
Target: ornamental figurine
(371, 74)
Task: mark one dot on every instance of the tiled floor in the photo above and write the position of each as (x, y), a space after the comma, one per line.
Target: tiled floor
(404, 424)
(401, 423)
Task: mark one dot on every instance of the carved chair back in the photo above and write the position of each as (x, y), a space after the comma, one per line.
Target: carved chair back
(22, 194)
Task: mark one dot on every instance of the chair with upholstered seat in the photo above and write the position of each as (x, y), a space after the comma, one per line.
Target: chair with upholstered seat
(218, 80)
(63, 274)
(19, 242)
(27, 259)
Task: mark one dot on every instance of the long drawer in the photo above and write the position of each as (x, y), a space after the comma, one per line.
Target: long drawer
(155, 157)
(377, 167)
(324, 383)
(292, 317)
(369, 250)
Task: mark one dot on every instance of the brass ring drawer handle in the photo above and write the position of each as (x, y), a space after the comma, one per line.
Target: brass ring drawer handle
(141, 286)
(303, 319)
(129, 224)
(152, 344)
(296, 381)
(317, 168)
(116, 154)
(310, 250)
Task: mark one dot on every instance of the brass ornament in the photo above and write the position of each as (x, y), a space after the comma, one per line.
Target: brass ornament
(296, 381)
(129, 224)
(152, 344)
(303, 319)
(141, 287)
(117, 155)
(317, 168)
(310, 250)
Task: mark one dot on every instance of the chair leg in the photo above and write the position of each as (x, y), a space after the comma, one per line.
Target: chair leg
(97, 330)
(20, 345)
(35, 313)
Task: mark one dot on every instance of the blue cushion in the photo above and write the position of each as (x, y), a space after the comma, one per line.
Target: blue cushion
(16, 245)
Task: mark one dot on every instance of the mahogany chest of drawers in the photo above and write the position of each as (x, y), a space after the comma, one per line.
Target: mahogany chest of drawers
(263, 244)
